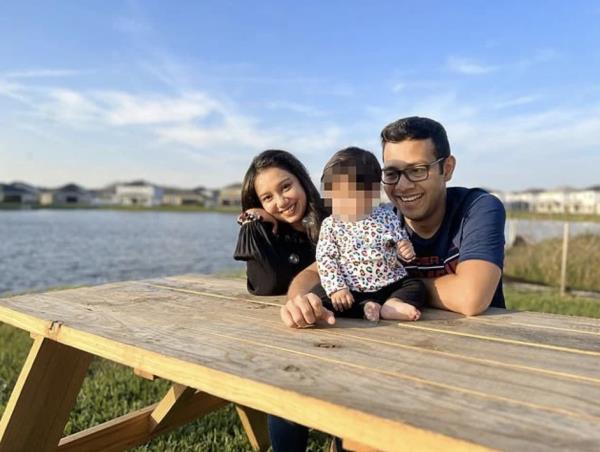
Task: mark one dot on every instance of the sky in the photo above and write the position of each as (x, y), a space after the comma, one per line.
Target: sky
(185, 93)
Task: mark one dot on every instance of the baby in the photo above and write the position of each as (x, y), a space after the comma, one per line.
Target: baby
(360, 245)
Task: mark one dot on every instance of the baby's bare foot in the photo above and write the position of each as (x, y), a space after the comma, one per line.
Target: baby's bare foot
(371, 310)
(398, 310)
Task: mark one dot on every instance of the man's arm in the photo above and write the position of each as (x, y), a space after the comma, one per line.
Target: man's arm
(304, 281)
(302, 307)
(469, 291)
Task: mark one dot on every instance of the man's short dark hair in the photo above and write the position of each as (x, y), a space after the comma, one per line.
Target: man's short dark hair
(417, 128)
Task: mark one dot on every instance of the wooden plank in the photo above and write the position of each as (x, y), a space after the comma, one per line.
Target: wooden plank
(139, 427)
(140, 373)
(560, 340)
(182, 306)
(236, 289)
(255, 426)
(354, 446)
(167, 408)
(311, 410)
(217, 334)
(45, 392)
(463, 408)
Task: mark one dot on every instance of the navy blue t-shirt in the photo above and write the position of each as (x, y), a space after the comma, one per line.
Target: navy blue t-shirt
(472, 228)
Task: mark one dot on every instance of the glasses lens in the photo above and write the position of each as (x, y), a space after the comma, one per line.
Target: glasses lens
(417, 173)
(390, 176)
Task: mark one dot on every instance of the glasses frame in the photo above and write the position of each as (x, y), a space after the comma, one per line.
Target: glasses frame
(399, 172)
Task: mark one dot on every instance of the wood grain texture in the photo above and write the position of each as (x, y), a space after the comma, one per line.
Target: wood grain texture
(45, 392)
(505, 380)
(255, 426)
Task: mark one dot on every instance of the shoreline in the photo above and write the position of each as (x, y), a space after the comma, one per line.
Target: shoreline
(225, 209)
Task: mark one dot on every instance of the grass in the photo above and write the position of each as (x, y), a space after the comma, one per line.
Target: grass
(550, 302)
(552, 216)
(541, 262)
(112, 390)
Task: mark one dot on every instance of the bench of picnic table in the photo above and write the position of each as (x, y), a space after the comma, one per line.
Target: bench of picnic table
(502, 380)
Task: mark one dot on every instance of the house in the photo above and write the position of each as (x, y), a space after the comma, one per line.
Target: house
(179, 197)
(231, 195)
(18, 193)
(138, 193)
(104, 196)
(584, 201)
(67, 195)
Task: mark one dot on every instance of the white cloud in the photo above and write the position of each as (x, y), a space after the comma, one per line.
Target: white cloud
(70, 107)
(11, 90)
(399, 87)
(125, 109)
(468, 67)
(514, 102)
(295, 107)
(44, 73)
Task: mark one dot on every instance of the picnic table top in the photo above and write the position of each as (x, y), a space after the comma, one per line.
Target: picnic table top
(505, 380)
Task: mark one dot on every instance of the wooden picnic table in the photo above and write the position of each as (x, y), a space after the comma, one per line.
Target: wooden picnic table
(503, 380)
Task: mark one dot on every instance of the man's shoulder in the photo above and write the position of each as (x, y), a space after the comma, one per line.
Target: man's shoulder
(463, 199)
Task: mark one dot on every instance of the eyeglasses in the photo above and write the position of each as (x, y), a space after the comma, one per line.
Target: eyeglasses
(417, 173)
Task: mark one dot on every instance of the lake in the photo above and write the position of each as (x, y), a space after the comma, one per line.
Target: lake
(40, 249)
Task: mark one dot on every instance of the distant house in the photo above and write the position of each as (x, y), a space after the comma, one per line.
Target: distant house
(138, 193)
(67, 195)
(103, 196)
(178, 197)
(18, 193)
(524, 201)
(231, 195)
(584, 201)
(560, 200)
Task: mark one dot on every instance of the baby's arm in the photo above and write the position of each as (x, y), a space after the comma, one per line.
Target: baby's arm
(329, 270)
(405, 250)
(404, 247)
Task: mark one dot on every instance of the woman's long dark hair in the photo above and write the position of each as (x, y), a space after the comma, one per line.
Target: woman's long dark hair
(315, 211)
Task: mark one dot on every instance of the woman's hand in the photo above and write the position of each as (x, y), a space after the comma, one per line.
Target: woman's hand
(342, 300)
(405, 250)
(260, 215)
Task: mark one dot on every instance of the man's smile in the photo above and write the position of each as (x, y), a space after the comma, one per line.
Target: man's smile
(409, 198)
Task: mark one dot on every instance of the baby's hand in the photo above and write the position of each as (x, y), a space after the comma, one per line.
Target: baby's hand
(342, 300)
(405, 250)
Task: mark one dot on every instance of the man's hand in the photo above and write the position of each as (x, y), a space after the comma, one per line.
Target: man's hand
(305, 310)
(342, 300)
(405, 250)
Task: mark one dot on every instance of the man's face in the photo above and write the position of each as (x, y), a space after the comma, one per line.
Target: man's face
(418, 201)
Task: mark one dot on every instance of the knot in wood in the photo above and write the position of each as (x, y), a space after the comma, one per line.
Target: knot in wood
(326, 345)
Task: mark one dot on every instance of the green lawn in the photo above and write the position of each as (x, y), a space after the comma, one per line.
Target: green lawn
(112, 390)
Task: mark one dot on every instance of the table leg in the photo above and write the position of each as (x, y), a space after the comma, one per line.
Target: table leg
(43, 397)
(255, 425)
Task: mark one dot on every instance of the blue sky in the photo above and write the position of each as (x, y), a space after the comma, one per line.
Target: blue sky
(185, 93)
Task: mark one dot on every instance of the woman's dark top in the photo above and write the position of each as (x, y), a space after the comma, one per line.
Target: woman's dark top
(272, 261)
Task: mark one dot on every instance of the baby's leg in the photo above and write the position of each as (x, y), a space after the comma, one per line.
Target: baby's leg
(396, 309)
(371, 310)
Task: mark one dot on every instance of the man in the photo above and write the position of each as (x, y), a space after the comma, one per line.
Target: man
(457, 233)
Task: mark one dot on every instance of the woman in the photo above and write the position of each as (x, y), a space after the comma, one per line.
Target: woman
(282, 214)
(280, 223)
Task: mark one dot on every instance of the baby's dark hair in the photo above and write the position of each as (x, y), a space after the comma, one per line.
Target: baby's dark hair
(361, 167)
